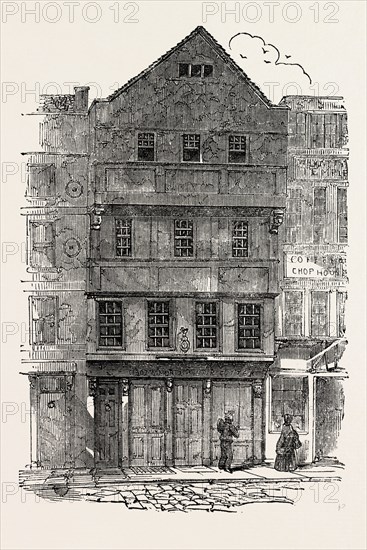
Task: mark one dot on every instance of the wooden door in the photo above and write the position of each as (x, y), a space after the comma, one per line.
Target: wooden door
(147, 423)
(235, 396)
(107, 424)
(52, 436)
(188, 422)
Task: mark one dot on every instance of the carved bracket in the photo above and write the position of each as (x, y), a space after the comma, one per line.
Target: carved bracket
(32, 381)
(96, 217)
(276, 221)
(125, 387)
(257, 388)
(208, 387)
(92, 382)
(169, 384)
(184, 341)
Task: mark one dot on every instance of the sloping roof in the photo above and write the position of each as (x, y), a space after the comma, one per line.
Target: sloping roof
(216, 46)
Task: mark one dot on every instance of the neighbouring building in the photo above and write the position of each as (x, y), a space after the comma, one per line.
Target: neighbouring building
(157, 273)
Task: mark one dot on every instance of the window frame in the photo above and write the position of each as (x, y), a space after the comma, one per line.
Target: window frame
(139, 148)
(306, 406)
(35, 345)
(100, 347)
(180, 258)
(236, 331)
(218, 347)
(323, 225)
(311, 332)
(183, 149)
(284, 312)
(171, 317)
(51, 244)
(340, 214)
(245, 138)
(202, 70)
(131, 255)
(233, 222)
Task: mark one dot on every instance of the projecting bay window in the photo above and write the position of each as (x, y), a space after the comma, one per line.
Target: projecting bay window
(293, 313)
(110, 324)
(206, 325)
(240, 239)
(146, 146)
(184, 238)
(248, 327)
(236, 149)
(191, 147)
(289, 395)
(123, 235)
(159, 324)
(319, 313)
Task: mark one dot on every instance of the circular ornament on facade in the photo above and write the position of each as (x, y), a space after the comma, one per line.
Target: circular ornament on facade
(74, 189)
(72, 247)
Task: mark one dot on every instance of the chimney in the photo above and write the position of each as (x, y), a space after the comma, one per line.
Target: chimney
(81, 98)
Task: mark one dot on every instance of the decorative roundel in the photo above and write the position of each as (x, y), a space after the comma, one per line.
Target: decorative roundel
(72, 247)
(74, 189)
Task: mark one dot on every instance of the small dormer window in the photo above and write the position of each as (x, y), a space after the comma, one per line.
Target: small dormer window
(195, 70)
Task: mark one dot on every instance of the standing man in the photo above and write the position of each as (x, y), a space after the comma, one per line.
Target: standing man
(227, 431)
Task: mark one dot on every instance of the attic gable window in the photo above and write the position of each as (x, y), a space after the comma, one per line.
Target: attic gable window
(195, 70)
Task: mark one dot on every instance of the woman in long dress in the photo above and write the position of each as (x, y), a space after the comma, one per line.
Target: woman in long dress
(286, 447)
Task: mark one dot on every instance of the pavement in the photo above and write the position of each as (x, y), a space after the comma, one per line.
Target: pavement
(178, 489)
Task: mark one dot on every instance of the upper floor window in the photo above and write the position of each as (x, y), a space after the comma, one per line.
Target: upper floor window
(110, 324)
(319, 313)
(342, 215)
(237, 149)
(293, 313)
(240, 239)
(206, 324)
(44, 320)
(293, 216)
(319, 214)
(191, 147)
(195, 70)
(123, 237)
(42, 244)
(159, 324)
(184, 238)
(248, 326)
(145, 146)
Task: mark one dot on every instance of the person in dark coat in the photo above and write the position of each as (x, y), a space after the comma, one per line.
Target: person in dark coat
(286, 447)
(227, 431)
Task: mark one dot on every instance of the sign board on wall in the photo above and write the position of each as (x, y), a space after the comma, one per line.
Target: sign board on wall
(328, 266)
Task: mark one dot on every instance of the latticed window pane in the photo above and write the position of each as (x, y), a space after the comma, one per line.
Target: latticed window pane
(249, 326)
(293, 216)
(123, 237)
(240, 239)
(342, 215)
(289, 395)
(145, 146)
(191, 147)
(237, 149)
(206, 325)
(319, 214)
(319, 313)
(293, 315)
(184, 238)
(159, 324)
(110, 324)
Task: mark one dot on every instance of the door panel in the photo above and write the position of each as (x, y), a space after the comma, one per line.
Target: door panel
(188, 421)
(147, 422)
(107, 419)
(52, 430)
(235, 396)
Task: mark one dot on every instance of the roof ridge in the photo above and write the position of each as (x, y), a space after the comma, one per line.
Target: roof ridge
(206, 35)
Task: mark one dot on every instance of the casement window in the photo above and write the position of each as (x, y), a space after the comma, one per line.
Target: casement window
(289, 395)
(110, 324)
(206, 325)
(184, 238)
(44, 310)
(41, 180)
(319, 214)
(341, 300)
(293, 216)
(145, 146)
(293, 313)
(248, 326)
(42, 244)
(159, 324)
(240, 239)
(197, 70)
(123, 236)
(236, 149)
(342, 214)
(191, 147)
(319, 313)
